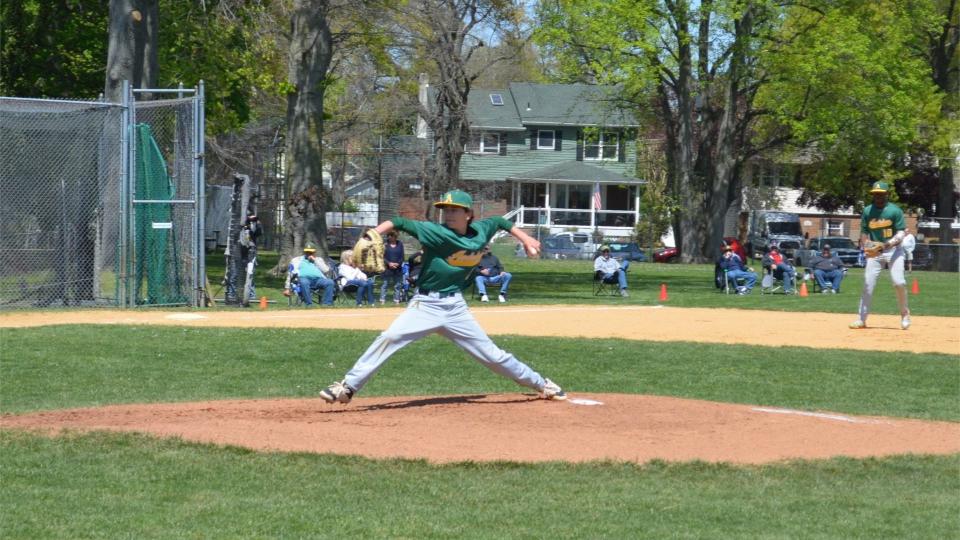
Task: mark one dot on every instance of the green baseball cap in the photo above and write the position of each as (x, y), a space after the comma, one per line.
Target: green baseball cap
(455, 197)
(880, 187)
(309, 248)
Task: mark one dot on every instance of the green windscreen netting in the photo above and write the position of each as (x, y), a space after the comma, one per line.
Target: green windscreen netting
(157, 263)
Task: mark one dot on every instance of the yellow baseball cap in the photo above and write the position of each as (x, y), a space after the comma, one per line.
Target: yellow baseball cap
(457, 198)
(880, 187)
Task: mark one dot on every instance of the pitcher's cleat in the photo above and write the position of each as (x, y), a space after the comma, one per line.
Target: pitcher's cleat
(337, 392)
(858, 324)
(905, 322)
(552, 390)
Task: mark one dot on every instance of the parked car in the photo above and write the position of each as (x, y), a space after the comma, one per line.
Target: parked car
(559, 248)
(629, 251)
(922, 256)
(665, 255)
(840, 246)
(581, 240)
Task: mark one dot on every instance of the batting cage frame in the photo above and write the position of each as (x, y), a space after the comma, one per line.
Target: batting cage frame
(102, 204)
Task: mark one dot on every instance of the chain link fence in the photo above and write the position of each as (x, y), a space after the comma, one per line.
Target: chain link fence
(938, 245)
(60, 178)
(99, 202)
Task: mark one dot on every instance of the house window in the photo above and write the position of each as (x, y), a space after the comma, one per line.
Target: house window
(834, 227)
(533, 195)
(600, 145)
(545, 139)
(483, 143)
(573, 196)
(496, 100)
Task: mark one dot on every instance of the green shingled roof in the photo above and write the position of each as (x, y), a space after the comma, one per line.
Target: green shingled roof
(531, 104)
(574, 171)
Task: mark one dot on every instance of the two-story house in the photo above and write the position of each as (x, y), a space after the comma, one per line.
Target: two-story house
(563, 155)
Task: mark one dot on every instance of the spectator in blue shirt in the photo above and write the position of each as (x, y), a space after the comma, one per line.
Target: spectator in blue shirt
(735, 270)
(828, 270)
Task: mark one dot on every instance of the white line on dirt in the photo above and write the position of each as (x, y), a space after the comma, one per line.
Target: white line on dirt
(839, 417)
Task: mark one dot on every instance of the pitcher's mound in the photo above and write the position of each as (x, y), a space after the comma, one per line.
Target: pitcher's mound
(518, 427)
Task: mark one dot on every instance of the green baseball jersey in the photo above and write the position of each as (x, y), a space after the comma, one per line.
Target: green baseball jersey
(880, 224)
(450, 258)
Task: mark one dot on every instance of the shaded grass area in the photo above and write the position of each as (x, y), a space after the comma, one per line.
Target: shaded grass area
(88, 365)
(121, 485)
(570, 282)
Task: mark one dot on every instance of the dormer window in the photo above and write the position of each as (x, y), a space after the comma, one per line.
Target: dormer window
(496, 100)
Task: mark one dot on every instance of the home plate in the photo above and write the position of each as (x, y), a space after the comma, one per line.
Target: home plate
(584, 402)
(186, 316)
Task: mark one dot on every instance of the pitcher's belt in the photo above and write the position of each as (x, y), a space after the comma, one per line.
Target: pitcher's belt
(435, 294)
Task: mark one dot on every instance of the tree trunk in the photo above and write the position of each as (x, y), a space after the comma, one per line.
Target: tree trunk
(310, 54)
(132, 50)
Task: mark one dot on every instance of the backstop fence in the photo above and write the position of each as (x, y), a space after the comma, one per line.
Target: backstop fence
(101, 204)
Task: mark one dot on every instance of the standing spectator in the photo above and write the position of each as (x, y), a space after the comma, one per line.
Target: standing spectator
(490, 272)
(351, 276)
(311, 272)
(909, 244)
(393, 275)
(778, 265)
(733, 266)
(249, 234)
(612, 270)
(827, 270)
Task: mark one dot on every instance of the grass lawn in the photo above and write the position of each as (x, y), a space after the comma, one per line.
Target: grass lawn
(688, 285)
(104, 485)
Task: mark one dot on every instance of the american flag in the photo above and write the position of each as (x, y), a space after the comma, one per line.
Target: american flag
(597, 201)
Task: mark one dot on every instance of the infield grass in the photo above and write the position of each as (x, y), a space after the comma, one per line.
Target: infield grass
(131, 486)
(79, 365)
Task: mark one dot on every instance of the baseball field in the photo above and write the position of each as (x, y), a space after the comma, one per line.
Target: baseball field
(704, 415)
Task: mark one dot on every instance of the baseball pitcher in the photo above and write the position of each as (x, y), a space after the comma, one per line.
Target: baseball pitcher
(450, 253)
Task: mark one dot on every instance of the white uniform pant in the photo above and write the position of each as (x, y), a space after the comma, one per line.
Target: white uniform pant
(893, 258)
(450, 318)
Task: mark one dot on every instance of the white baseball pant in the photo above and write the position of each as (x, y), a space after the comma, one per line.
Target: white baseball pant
(893, 258)
(450, 318)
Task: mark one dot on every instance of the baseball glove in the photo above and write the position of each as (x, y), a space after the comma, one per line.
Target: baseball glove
(368, 252)
(872, 249)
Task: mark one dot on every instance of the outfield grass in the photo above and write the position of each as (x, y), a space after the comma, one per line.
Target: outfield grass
(688, 285)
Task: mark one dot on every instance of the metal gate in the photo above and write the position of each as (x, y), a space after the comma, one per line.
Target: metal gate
(102, 204)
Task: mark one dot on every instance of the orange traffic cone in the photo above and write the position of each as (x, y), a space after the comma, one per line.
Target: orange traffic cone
(263, 302)
(803, 289)
(663, 292)
(915, 289)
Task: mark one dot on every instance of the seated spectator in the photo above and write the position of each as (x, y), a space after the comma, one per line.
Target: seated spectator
(311, 271)
(611, 270)
(411, 271)
(393, 275)
(735, 270)
(777, 264)
(490, 272)
(827, 270)
(351, 276)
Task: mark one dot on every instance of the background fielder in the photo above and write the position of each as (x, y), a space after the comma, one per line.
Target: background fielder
(883, 222)
(450, 253)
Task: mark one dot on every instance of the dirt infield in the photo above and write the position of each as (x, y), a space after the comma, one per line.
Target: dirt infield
(652, 323)
(518, 427)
